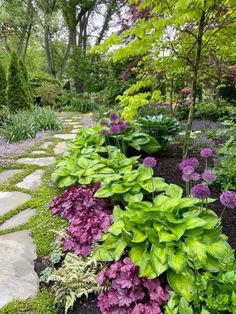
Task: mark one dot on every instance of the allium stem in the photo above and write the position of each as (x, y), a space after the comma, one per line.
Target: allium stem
(221, 215)
(153, 189)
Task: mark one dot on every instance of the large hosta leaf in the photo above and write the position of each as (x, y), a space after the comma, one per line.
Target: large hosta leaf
(182, 283)
(177, 261)
(197, 248)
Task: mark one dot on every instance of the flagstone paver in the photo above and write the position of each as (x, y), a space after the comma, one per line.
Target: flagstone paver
(45, 145)
(11, 200)
(60, 148)
(18, 279)
(75, 131)
(18, 219)
(7, 174)
(32, 181)
(65, 136)
(38, 152)
(39, 161)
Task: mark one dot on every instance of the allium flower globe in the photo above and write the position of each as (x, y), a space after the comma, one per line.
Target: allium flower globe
(200, 191)
(188, 170)
(113, 116)
(189, 162)
(206, 152)
(149, 162)
(228, 199)
(208, 176)
(103, 132)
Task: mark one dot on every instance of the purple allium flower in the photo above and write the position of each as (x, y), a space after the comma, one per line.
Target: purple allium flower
(206, 152)
(192, 162)
(188, 170)
(195, 176)
(114, 128)
(228, 199)
(201, 191)
(185, 91)
(113, 116)
(104, 122)
(149, 162)
(208, 176)
(103, 132)
(186, 177)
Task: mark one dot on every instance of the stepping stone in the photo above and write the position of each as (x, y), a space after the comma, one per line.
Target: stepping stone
(68, 120)
(40, 161)
(17, 277)
(11, 200)
(18, 219)
(38, 152)
(60, 148)
(75, 131)
(32, 181)
(74, 123)
(45, 145)
(7, 174)
(65, 136)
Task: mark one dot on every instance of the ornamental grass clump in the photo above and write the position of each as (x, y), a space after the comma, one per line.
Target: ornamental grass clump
(128, 293)
(88, 217)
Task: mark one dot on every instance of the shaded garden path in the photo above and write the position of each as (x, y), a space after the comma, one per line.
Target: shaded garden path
(19, 185)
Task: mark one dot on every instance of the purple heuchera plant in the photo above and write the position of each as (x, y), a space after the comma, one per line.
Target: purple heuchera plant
(128, 293)
(88, 217)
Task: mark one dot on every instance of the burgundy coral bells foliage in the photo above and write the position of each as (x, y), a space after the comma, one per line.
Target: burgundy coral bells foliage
(128, 293)
(228, 199)
(201, 191)
(88, 217)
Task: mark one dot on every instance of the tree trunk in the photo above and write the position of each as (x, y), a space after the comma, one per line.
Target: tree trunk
(48, 49)
(106, 22)
(194, 83)
(27, 41)
(24, 34)
(171, 95)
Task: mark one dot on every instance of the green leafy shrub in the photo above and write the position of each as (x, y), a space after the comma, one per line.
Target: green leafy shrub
(160, 127)
(48, 93)
(225, 173)
(74, 279)
(211, 112)
(4, 112)
(17, 90)
(47, 119)
(83, 105)
(152, 110)
(215, 294)
(172, 234)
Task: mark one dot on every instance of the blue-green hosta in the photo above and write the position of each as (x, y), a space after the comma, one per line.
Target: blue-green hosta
(172, 234)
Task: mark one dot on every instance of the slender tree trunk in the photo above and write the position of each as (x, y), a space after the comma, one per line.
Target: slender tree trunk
(24, 33)
(171, 95)
(27, 41)
(48, 49)
(194, 83)
(106, 22)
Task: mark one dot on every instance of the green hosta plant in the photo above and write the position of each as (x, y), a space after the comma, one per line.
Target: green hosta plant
(216, 293)
(161, 127)
(120, 176)
(172, 234)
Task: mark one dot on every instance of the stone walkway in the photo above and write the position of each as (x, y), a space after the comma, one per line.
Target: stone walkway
(18, 279)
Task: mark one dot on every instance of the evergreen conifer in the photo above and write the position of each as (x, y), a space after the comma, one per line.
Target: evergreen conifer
(3, 87)
(17, 91)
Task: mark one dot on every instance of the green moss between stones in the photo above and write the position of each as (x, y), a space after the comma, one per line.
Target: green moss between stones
(42, 304)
